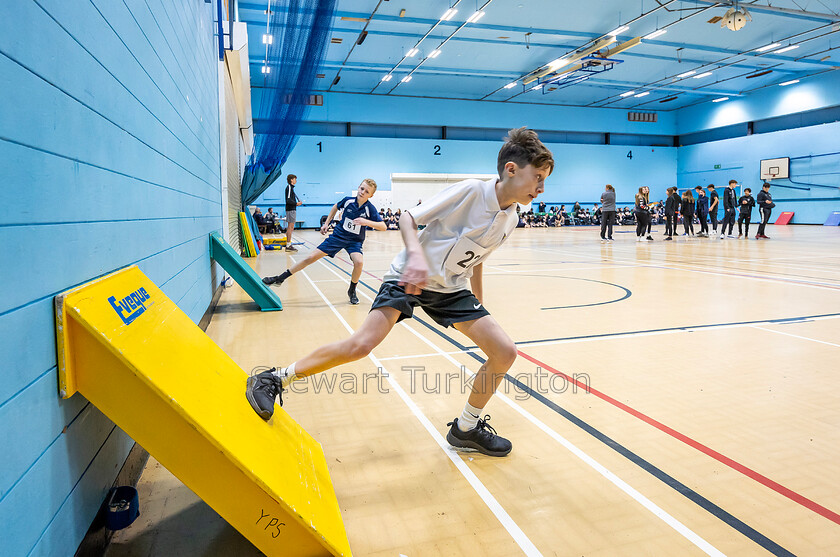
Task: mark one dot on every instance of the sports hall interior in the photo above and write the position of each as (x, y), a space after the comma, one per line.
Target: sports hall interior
(668, 398)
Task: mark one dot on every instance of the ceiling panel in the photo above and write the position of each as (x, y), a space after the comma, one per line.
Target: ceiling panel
(517, 37)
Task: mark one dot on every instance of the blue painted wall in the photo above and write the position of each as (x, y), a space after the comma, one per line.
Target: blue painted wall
(739, 159)
(581, 171)
(813, 93)
(380, 109)
(109, 137)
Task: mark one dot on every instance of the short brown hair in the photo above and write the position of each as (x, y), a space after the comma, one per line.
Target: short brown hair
(289, 178)
(609, 187)
(370, 182)
(523, 147)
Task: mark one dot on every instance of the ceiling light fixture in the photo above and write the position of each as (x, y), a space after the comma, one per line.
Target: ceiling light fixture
(475, 17)
(791, 82)
(786, 49)
(411, 53)
(688, 73)
(720, 100)
(406, 79)
(387, 77)
(643, 94)
(628, 93)
(449, 14)
(557, 64)
(268, 39)
(657, 33)
(768, 47)
(510, 85)
(435, 53)
(702, 75)
(621, 29)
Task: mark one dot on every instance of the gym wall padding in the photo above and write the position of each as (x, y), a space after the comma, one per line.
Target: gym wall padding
(111, 157)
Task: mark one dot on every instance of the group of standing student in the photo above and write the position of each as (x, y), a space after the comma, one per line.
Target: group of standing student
(707, 206)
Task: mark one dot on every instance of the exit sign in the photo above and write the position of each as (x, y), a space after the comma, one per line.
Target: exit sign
(717, 167)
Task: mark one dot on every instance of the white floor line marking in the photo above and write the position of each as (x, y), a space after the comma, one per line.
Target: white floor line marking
(430, 355)
(797, 336)
(495, 507)
(660, 513)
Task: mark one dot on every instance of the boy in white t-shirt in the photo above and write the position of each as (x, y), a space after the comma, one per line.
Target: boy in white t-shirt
(464, 224)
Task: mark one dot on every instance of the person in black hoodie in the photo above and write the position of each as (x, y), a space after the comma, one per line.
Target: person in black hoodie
(745, 205)
(714, 201)
(765, 207)
(687, 211)
(640, 211)
(672, 205)
(730, 201)
(702, 211)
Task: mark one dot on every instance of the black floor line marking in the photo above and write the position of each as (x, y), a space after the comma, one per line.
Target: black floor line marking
(667, 479)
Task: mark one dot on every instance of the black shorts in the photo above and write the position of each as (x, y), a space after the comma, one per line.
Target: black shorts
(444, 308)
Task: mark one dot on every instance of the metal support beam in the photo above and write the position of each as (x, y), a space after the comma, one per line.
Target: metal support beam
(758, 8)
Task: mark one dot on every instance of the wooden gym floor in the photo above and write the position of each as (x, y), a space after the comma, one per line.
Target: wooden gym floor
(711, 423)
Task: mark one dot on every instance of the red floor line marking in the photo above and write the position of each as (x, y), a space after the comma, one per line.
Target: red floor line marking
(723, 459)
(750, 473)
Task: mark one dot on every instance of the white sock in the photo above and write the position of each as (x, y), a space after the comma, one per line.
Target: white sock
(469, 417)
(286, 375)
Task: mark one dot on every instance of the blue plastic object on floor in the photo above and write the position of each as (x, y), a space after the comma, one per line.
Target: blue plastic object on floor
(833, 219)
(122, 507)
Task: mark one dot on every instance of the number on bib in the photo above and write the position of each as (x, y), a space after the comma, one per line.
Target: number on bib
(351, 226)
(464, 256)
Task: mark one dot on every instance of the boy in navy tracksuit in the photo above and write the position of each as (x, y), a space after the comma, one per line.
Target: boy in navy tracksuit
(359, 214)
(765, 207)
(730, 201)
(745, 205)
(702, 211)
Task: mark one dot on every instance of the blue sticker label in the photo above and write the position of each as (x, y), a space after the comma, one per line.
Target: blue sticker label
(130, 307)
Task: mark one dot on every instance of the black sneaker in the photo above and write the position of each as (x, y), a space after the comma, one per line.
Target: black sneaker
(261, 390)
(268, 281)
(482, 438)
(291, 248)
(354, 300)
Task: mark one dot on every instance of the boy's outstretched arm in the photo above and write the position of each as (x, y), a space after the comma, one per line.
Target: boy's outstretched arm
(477, 282)
(329, 219)
(376, 225)
(416, 268)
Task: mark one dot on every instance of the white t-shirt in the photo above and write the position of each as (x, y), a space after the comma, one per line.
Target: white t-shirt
(464, 224)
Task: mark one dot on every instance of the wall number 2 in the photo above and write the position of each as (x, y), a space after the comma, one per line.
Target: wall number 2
(466, 261)
(437, 149)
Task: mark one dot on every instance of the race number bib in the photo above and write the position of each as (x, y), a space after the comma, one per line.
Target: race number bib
(351, 226)
(464, 256)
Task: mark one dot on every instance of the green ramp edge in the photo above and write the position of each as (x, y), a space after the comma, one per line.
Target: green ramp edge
(243, 274)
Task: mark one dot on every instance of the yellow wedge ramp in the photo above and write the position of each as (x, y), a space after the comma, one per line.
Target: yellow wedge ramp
(131, 352)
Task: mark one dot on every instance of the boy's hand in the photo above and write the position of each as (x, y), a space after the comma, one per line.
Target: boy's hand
(361, 221)
(415, 273)
(324, 229)
(299, 203)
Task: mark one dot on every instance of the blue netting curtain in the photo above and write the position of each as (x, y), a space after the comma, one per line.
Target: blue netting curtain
(300, 31)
